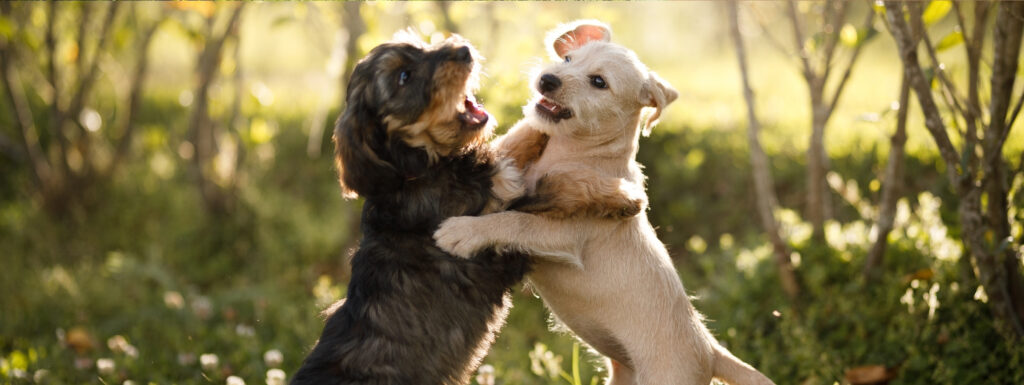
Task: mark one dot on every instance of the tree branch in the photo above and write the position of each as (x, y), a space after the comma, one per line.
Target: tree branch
(912, 68)
(798, 38)
(134, 96)
(835, 15)
(849, 68)
(766, 200)
(1006, 43)
(892, 185)
(10, 149)
(199, 120)
(775, 43)
(86, 83)
(1016, 111)
(40, 169)
(53, 78)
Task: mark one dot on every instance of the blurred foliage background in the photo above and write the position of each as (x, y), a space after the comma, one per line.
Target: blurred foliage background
(169, 211)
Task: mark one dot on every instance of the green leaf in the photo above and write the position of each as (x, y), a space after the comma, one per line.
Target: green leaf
(283, 20)
(879, 8)
(6, 27)
(936, 11)
(849, 36)
(951, 40)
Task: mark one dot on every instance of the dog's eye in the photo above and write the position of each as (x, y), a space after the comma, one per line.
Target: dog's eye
(568, 58)
(598, 82)
(403, 77)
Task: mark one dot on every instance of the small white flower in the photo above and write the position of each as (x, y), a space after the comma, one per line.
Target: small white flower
(209, 361)
(41, 376)
(485, 375)
(273, 358)
(235, 380)
(19, 373)
(105, 365)
(83, 363)
(117, 343)
(275, 377)
(203, 307)
(174, 300)
(245, 330)
(131, 351)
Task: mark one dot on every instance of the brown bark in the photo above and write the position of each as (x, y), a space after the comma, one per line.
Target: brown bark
(200, 126)
(816, 74)
(355, 27)
(53, 77)
(764, 189)
(989, 261)
(39, 170)
(449, 24)
(1007, 42)
(892, 185)
(134, 97)
(88, 79)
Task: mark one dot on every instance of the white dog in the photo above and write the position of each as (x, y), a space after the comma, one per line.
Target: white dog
(609, 280)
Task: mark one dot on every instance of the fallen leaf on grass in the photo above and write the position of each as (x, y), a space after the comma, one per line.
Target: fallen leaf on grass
(869, 374)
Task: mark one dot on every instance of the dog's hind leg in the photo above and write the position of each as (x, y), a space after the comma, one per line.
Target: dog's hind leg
(732, 370)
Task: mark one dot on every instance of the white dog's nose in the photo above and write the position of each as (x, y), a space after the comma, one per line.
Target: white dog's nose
(549, 82)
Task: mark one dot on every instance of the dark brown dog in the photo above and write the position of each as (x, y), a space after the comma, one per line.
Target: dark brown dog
(412, 142)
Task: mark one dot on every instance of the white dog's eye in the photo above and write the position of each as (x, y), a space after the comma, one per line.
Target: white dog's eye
(403, 77)
(598, 82)
(568, 58)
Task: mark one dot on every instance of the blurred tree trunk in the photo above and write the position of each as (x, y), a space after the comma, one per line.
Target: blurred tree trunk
(817, 72)
(216, 199)
(134, 102)
(892, 184)
(355, 27)
(996, 265)
(445, 8)
(1006, 39)
(764, 187)
(63, 169)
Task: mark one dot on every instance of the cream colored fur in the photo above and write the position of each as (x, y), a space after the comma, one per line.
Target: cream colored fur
(610, 281)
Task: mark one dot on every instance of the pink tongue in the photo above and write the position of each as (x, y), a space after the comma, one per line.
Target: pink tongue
(475, 110)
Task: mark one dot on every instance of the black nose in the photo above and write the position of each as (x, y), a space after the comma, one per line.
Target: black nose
(549, 82)
(462, 54)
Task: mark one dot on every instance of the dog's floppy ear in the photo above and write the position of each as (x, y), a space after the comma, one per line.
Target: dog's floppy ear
(357, 141)
(658, 94)
(571, 36)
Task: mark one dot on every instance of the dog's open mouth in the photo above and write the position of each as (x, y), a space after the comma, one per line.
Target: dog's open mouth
(552, 110)
(475, 116)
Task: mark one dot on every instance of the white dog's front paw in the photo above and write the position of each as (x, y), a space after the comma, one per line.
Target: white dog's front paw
(459, 236)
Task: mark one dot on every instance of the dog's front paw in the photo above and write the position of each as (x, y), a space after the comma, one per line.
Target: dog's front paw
(459, 236)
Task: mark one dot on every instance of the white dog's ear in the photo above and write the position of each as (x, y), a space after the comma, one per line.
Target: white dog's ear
(658, 94)
(571, 36)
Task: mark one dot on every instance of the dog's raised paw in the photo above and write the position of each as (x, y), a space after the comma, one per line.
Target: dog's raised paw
(457, 236)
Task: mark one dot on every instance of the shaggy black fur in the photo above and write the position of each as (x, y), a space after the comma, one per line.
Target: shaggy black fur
(413, 314)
